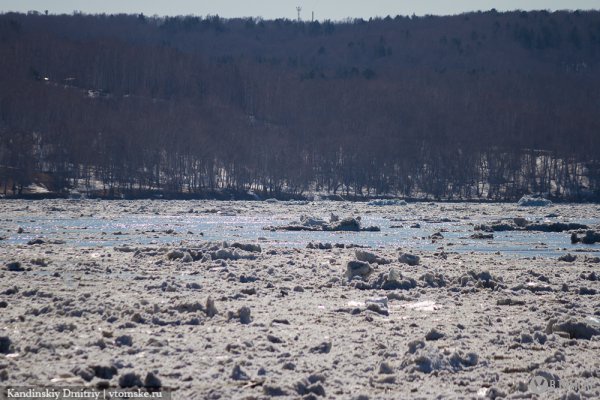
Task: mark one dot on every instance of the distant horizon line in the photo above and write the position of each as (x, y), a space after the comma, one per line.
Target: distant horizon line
(257, 17)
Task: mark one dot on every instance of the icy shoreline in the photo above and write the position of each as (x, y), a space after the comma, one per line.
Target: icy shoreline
(257, 320)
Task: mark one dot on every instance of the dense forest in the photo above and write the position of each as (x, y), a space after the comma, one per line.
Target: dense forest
(483, 105)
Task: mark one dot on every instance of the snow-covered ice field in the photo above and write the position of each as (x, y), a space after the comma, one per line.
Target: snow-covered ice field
(212, 300)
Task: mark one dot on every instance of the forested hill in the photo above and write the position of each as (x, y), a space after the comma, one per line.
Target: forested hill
(482, 105)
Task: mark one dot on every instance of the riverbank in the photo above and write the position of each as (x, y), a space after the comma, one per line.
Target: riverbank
(260, 319)
(41, 192)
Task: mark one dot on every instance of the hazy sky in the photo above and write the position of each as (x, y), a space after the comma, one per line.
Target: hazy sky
(324, 9)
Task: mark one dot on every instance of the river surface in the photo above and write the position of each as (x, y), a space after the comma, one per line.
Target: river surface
(246, 221)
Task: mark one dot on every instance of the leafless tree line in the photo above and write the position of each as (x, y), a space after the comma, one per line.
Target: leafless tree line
(477, 106)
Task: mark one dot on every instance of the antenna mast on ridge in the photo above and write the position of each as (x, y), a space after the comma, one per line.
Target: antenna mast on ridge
(298, 9)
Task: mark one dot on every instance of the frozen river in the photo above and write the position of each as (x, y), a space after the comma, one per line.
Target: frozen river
(97, 223)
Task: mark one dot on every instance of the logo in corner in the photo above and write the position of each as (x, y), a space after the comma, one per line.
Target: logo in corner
(538, 384)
